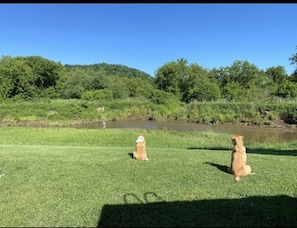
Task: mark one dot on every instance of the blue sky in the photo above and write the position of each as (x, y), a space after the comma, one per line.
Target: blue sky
(146, 36)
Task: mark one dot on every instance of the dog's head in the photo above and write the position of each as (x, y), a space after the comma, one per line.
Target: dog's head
(237, 139)
(140, 139)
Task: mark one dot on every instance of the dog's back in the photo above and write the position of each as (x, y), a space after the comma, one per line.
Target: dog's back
(140, 149)
(238, 160)
(238, 153)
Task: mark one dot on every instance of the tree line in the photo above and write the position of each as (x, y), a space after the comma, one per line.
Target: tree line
(34, 77)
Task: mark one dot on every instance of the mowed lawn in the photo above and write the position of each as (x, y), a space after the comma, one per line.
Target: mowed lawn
(63, 177)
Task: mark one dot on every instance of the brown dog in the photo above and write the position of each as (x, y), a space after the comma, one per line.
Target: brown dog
(140, 150)
(238, 159)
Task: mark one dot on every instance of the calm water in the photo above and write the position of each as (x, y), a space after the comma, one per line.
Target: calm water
(250, 133)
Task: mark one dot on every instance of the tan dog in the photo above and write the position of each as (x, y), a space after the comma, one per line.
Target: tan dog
(238, 159)
(140, 150)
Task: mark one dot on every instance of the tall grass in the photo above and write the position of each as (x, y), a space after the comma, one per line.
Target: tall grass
(85, 177)
(57, 112)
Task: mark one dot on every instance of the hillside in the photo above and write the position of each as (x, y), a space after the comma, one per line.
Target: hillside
(114, 70)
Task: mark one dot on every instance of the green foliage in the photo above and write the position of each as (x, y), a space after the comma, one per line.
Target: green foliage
(232, 91)
(33, 77)
(119, 87)
(28, 77)
(276, 74)
(77, 82)
(170, 76)
(138, 88)
(199, 86)
(241, 81)
(286, 89)
(113, 70)
(46, 72)
(293, 60)
(162, 97)
(16, 79)
(98, 95)
(57, 112)
(187, 82)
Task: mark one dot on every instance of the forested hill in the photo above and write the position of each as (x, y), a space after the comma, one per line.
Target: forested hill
(113, 70)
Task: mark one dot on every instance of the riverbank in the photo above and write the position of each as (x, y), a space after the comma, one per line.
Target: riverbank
(74, 112)
(253, 133)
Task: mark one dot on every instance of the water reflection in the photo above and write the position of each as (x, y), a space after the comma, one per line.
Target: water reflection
(251, 133)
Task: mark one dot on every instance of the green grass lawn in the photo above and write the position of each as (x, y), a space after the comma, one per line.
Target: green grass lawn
(60, 177)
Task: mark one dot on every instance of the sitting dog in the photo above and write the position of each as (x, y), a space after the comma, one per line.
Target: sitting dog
(140, 150)
(238, 159)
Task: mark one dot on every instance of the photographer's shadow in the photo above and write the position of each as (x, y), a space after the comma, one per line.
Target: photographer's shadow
(256, 211)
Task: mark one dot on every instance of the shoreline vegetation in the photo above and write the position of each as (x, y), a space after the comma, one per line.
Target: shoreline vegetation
(75, 111)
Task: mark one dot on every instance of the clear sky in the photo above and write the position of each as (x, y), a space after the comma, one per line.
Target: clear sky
(146, 36)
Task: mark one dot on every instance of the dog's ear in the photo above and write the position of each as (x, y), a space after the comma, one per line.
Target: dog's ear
(233, 140)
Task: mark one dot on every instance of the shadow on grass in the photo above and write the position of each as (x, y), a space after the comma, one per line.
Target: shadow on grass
(272, 151)
(292, 152)
(223, 168)
(210, 148)
(257, 211)
(147, 196)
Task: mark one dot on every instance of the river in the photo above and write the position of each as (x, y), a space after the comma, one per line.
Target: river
(250, 133)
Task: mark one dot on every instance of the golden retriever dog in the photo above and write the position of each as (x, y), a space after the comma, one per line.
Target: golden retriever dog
(238, 159)
(140, 150)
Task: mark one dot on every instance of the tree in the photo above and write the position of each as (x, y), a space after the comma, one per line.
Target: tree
(113, 70)
(139, 88)
(119, 87)
(46, 72)
(100, 94)
(293, 60)
(80, 80)
(30, 77)
(76, 84)
(232, 91)
(280, 83)
(171, 76)
(162, 97)
(239, 78)
(245, 74)
(286, 89)
(199, 85)
(276, 74)
(16, 79)
(187, 82)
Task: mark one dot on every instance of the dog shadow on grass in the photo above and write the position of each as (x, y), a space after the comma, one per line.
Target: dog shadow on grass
(255, 211)
(223, 168)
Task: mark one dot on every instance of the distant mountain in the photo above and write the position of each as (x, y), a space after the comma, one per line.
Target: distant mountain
(114, 70)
